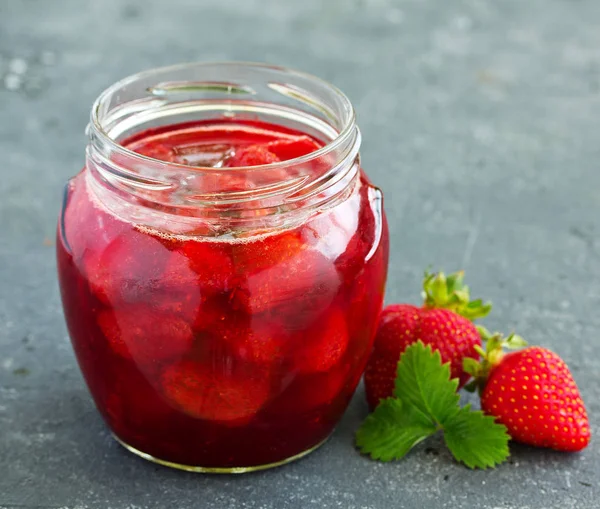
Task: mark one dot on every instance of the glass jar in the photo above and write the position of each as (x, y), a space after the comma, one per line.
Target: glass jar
(222, 315)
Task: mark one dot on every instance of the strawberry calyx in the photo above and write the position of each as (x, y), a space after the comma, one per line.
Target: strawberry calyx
(491, 356)
(450, 292)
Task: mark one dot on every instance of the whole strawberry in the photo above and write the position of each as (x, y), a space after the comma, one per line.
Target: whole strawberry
(531, 392)
(444, 322)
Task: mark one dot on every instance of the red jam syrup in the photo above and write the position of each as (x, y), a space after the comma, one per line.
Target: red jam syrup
(222, 353)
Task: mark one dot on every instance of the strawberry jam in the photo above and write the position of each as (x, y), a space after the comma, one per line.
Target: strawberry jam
(213, 351)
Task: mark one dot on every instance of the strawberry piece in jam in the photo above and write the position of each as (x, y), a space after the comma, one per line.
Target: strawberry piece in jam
(148, 338)
(279, 275)
(254, 155)
(266, 252)
(291, 149)
(115, 273)
(310, 391)
(272, 152)
(259, 344)
(90, 229)
(211, 263)
(296, 289)
(214, 394)
(322, 347)
(352, 260)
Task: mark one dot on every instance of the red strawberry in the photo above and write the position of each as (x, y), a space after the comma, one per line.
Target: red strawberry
(211, 262)
(396, 330)
(272, 152)
(146, 336)
(252, 155)
(365, 230)
(309, 391)
(308, 281)
(531, 392)
(214, 394)
(322, 347)
(286, 278)
(266, 252)
(291, 149)
(365, 301)
(345, 233)
(115, 273)
(260, 343)
(445, 330)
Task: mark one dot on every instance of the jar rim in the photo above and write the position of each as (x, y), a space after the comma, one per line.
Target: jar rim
(347, 130)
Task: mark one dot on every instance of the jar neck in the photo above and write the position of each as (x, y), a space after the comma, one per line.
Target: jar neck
(166, 195)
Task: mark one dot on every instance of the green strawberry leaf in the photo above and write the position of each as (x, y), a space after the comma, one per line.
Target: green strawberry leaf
(424, 383)
(475, 439)
(424, 402)
(392, 430)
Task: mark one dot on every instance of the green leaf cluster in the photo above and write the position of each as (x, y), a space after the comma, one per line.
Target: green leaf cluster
(425, 402)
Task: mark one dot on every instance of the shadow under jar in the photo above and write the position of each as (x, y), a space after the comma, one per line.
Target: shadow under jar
(222, 314)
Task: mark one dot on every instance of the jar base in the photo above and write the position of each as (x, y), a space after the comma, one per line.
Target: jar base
(217, 470)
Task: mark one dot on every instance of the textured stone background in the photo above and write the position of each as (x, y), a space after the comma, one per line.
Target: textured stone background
(480, 122)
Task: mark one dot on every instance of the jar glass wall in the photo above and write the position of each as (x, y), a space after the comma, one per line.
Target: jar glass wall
(222, 261)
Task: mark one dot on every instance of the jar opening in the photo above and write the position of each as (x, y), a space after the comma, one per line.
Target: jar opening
(233, 92)
(324, 108)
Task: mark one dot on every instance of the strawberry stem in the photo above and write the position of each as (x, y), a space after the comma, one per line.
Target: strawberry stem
(491, 356)
(450, 292)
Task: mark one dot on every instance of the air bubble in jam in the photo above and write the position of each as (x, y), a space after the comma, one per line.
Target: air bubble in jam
(227, 351)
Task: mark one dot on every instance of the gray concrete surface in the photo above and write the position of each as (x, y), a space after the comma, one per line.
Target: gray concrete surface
(480, 122)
